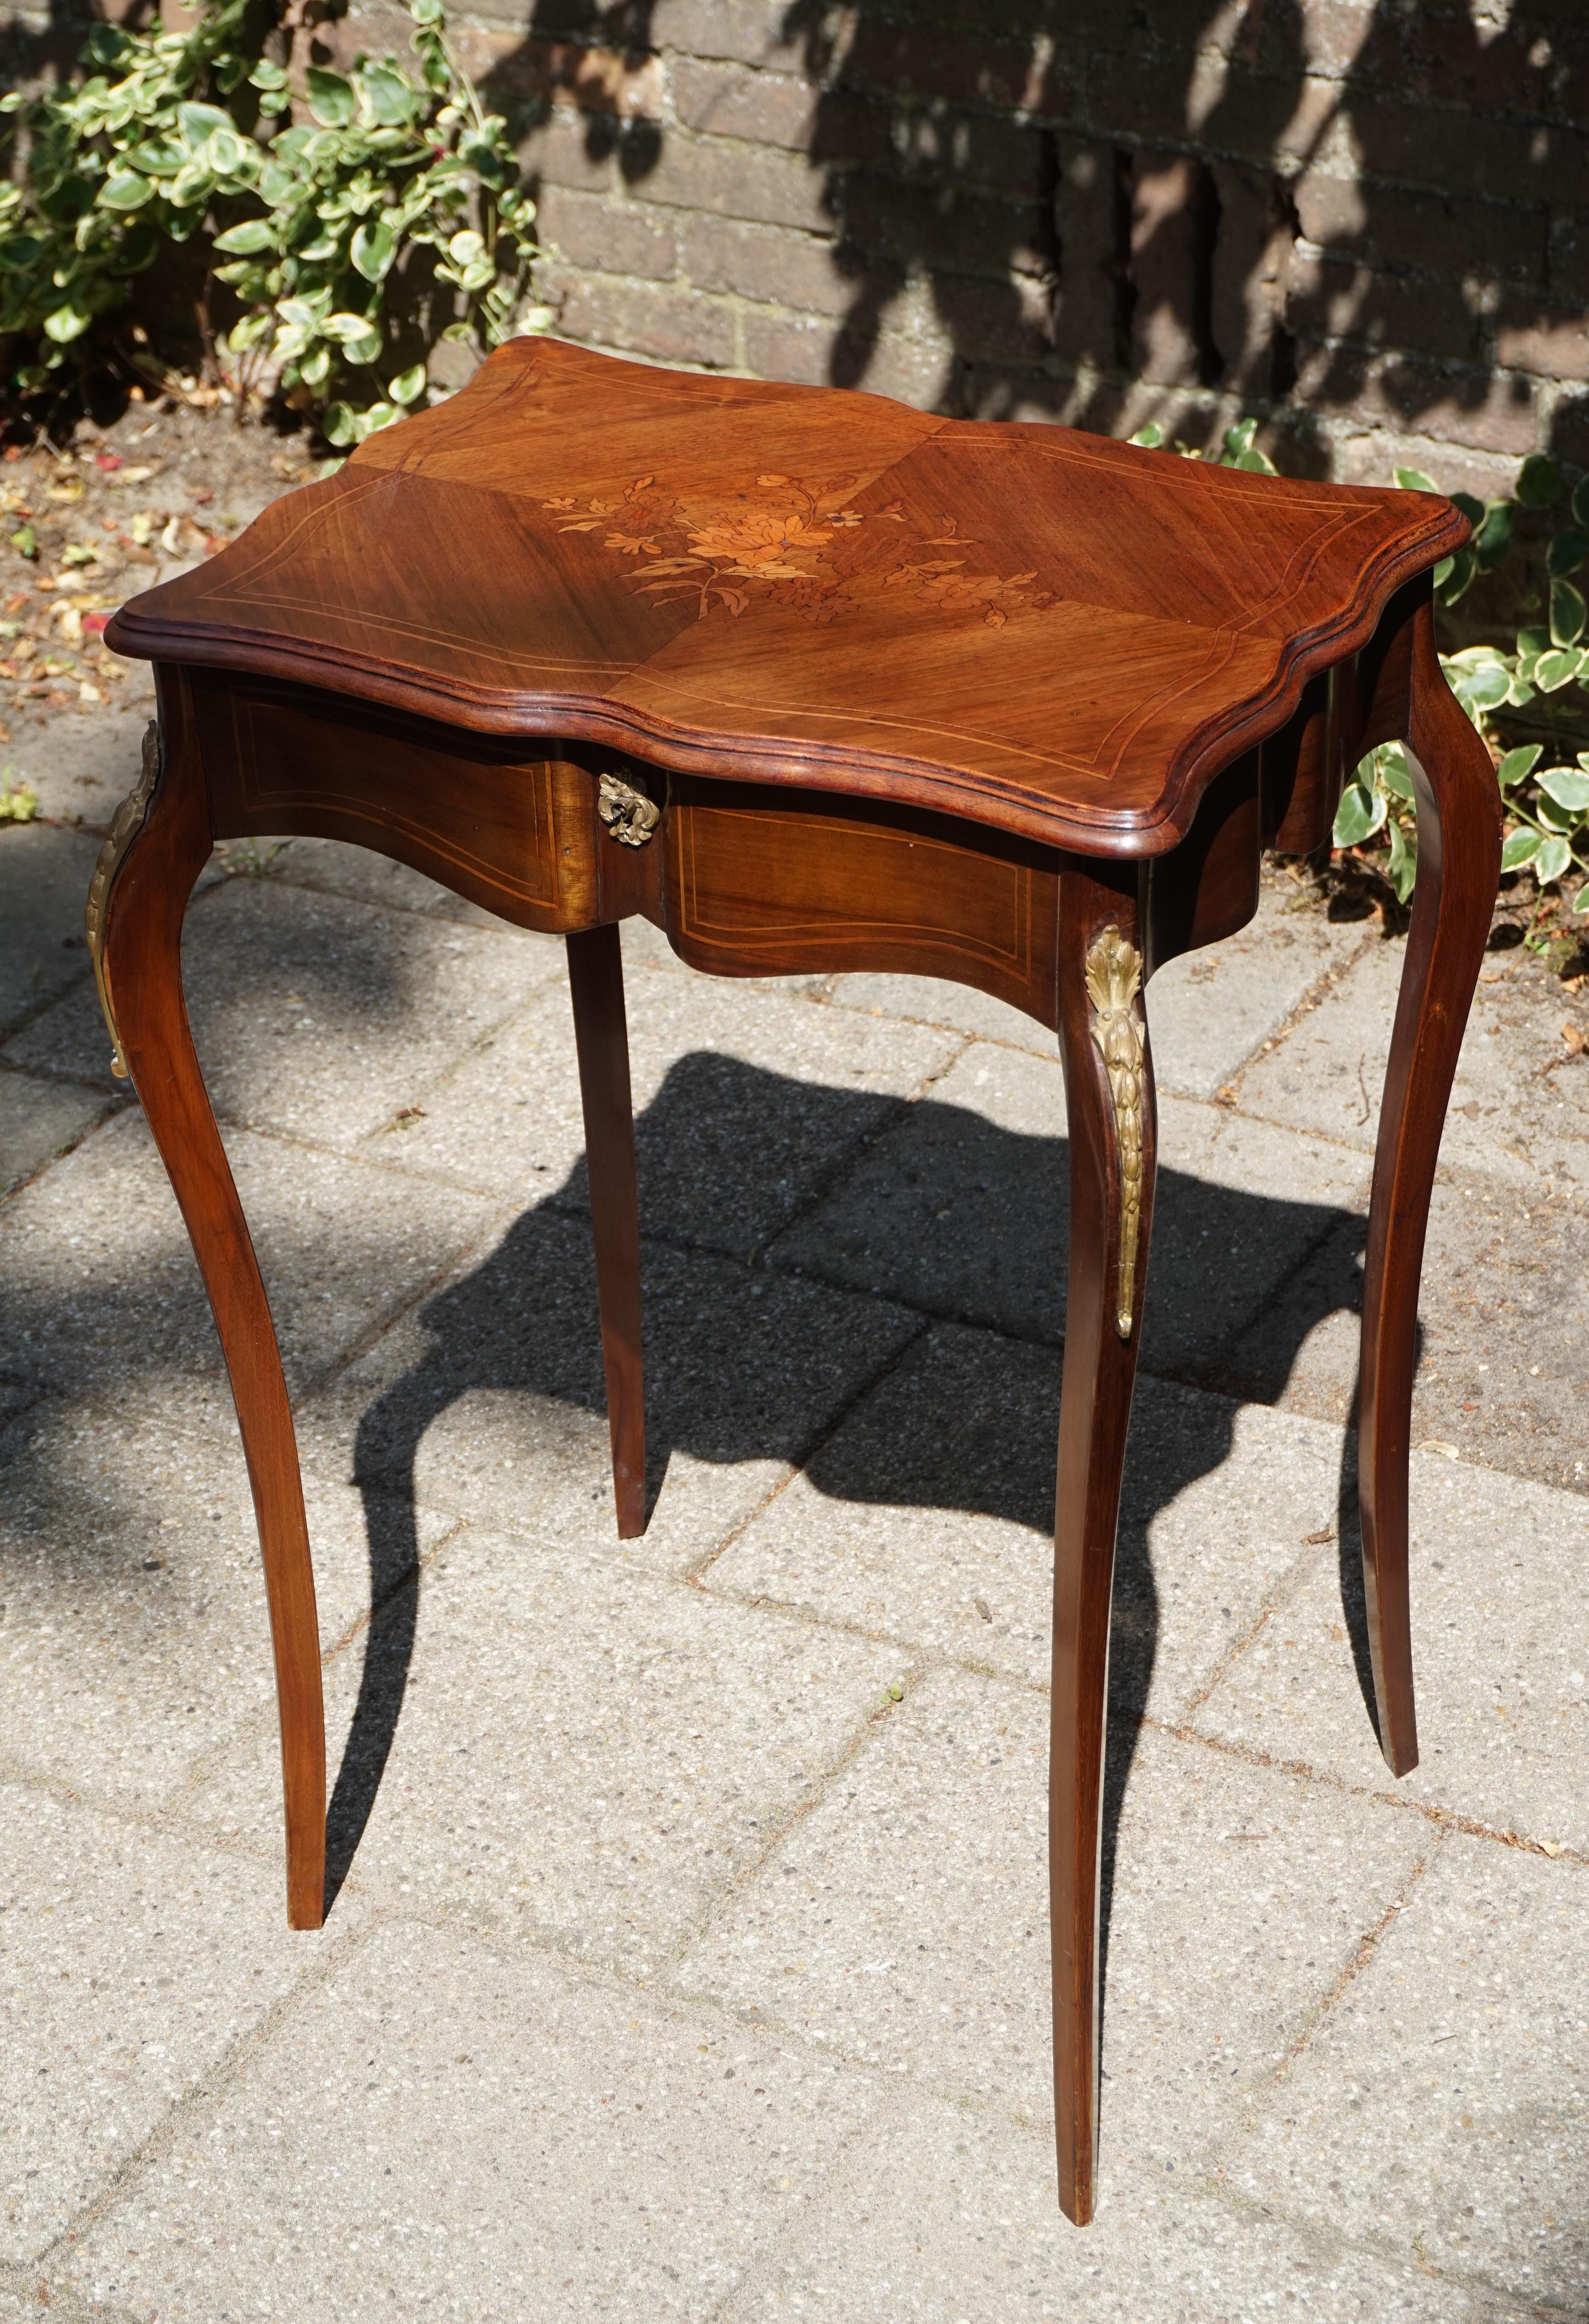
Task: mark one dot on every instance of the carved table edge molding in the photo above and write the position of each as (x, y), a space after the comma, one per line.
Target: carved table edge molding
(125, 825)
(1114, 979)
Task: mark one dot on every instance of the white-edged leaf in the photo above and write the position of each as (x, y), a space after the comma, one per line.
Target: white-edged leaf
(1520, 848)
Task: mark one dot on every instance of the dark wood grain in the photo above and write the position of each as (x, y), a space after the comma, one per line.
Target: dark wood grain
(1458, 866)
(906, 694)
(712, 573)
(595, 980)
(144, 978)
(1094, 1414)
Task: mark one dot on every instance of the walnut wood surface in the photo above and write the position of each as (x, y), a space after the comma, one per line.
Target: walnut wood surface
(906, 695)
(143, 977)
(1043, 631)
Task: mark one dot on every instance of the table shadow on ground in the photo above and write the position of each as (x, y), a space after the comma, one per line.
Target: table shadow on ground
(736, 1371)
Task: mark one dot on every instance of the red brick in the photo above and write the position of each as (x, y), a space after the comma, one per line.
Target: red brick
(1170, 257)
(590, 78)
(750, 31)
(780, 269)
(975, 148)
(1569, 431)
(1490, 411)
(1372, 458)
(1553, 347)
(1331, 298)
(819, 355)
(795, 349)
(754, 182)
(559, 152)
(672, 326)
(1089, 216)
(963, 69)
(1247, 288)
(938, 228)
(1392, 226)
(1439, 146)
(737, 101)
(611, 238)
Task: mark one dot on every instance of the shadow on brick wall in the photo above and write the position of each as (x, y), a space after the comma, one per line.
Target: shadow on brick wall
(1104, 212)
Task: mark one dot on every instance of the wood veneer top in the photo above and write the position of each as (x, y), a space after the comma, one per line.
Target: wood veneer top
(1045, 631)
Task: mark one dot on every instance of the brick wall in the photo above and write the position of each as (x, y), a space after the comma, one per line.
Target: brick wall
(1367, 220)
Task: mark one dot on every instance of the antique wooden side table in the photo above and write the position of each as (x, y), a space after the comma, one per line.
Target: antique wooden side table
(817, 682)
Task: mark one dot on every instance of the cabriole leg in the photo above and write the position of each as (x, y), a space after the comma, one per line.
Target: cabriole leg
(159, 845)
(1109, 1093)
(595, 980)
(1458, 869)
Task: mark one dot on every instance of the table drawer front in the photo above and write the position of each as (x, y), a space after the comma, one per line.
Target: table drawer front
(763, 885)
(514, 834)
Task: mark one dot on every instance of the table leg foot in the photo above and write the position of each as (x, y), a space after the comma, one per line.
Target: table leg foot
(595, 980)
(1109, 1093)
(140, 895)
(1458, 869)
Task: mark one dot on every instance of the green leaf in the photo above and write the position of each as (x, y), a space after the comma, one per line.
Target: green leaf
(1569, 613)
(22, 539)
(1393, 772)
(316, 370)
(1566, 553)
(372, 249)
(392, 98)
(198, 122)
(378, 416)
(267, 76)
(426, 11)
(407, 385)
(1555, 670)
(1483, 687)
(157, 157)
(338, 424)
(1538, 483)
(1579, 503)
(1518, 763)
(1257, 462)
(1358, 815)
(278, 186)
(1474, 510)
(1552, 860)
(330, 97)
(253, 234)
(1413, 480)
(224, 151)
(1403, 864)
(1453, 575)
(66, 324)
(1567, 786)
(1493, 537)
(466, 247)
(1520, 848)
(124, 190)
(1533, 642)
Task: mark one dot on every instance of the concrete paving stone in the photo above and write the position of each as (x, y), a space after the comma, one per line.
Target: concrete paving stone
(566, 1745)
(334, 867)
(962, 1210)
(1500, 1656)
(44, 874)
(134, 1636)
(936, 1001)
(135, 1961)
(1503, 1330)
(747, 1103)
(1209, 1010)
(497, 2137)
(488, 1400)
(951, 2213)
(38, 1120)
(1440, 2108)
(82, 766)
(316, 1014)
(102, 1293)
(928, 1517)
(904, 1919)
(645, 946)
(1510, 1118)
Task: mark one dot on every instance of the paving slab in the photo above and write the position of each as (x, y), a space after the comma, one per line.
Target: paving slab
(950, 2214)
(316, 1015)
(747, 1104)
(125, 1987)
(102, 1291)
(490, 2135)
(1520, 1103)
(134, 1635)
(335, 867)
(45, 869)
(570, 1747)
(39, 1120)
(904, 1919)
(962, 1210)
(1503, 1321)
(1211, 1010)
(1501, 1655)
(1440, 2108)
(487, 1398)
(928, 1517)
(81, 765)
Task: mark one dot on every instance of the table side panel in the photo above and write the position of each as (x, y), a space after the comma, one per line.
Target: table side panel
(512, 833)
(760, 883)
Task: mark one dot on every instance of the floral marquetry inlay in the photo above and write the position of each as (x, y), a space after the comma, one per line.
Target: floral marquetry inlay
(797, 541)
